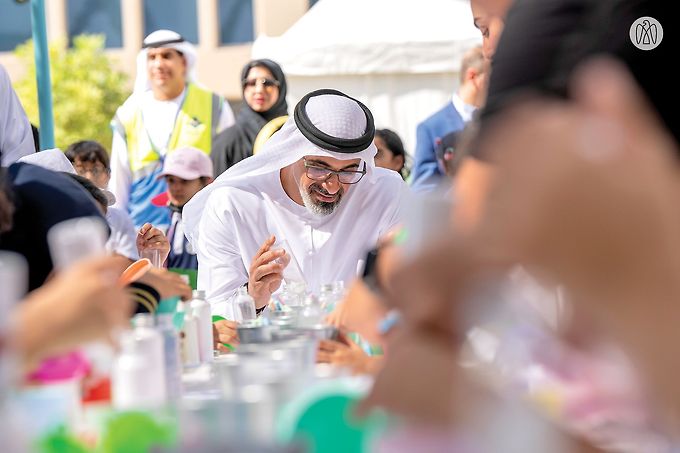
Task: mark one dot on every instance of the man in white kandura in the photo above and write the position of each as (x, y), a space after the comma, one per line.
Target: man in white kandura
(315, 186)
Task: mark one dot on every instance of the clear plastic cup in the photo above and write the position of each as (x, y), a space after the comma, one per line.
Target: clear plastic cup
(292, 272)
(153, 255)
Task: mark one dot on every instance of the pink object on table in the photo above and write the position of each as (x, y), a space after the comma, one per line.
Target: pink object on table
(67, 366)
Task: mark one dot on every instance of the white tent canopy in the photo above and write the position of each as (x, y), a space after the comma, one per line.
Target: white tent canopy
(400, 57)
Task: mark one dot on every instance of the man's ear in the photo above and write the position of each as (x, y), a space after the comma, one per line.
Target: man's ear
(471, 74)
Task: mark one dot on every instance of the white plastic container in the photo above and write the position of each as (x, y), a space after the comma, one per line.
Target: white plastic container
(190, 347)
(201, 311)
(245, 305)
(171, 356)
(139, 371)
(76, 239)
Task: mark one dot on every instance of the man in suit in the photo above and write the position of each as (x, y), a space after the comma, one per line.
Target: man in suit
(470, 96)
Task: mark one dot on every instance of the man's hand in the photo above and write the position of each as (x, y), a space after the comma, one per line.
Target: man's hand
(345, 352)
(150, 238)
(266, 272)
(360, 311)
(225, 332)
(82, 303)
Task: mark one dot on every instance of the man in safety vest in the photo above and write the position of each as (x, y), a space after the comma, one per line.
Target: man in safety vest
(166, 111)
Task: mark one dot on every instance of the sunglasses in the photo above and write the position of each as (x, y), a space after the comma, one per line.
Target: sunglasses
(267, 83)
(316, 173)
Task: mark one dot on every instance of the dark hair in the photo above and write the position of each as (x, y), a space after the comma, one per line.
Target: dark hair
(88, 151)
(392, 140)
(395, 145)
(93, 190)
(36, 137)
(6, 205)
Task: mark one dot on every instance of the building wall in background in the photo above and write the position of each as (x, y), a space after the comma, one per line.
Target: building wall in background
(223, 30)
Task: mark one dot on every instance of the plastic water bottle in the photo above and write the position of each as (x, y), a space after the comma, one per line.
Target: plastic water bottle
(311, 314)
(76, 239)
(139, 371)
(328, 297)
(245, 305)
(190, 347)
(339, 290)
(203, 314)
(171, 356)
(13, 286)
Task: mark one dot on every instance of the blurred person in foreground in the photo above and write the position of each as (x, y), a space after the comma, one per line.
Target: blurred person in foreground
(38, 199)
(264, 100)
(625, 286)
(436, 276)
(167, 110)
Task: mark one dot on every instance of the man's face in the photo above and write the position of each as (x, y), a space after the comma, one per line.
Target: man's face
(322, 191)
(94, 171)
(181, 190)
(261, 89)
(165, 67)
(489, 17)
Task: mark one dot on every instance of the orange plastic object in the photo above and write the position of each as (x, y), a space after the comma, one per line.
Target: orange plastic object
(134, 272)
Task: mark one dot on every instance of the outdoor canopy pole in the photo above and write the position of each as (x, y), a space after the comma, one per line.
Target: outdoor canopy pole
(42, 70)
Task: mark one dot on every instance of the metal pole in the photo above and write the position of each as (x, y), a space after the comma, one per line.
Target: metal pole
(42, 70)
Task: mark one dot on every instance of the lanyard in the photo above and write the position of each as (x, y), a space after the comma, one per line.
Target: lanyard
(161, 156)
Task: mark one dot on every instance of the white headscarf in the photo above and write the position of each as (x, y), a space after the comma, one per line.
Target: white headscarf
(163, 36)
(337, 116)
(51, 159)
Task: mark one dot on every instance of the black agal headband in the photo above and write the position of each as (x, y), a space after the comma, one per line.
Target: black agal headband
(163, 43)
(328, 142)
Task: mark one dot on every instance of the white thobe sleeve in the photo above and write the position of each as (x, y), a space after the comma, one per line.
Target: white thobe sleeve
(394, 216)
(226, 117)
(121, 175)
(16, 135)
(220, 266)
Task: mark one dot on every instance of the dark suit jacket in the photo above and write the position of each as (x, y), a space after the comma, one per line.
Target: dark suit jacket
(426, 172)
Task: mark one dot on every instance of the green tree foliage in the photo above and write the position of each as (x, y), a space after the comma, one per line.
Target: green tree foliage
(86, 89)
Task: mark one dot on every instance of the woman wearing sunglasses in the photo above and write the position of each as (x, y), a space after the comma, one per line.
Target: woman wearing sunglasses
(264, 96)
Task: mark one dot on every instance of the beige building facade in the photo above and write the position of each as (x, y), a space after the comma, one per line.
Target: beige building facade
(219, 65)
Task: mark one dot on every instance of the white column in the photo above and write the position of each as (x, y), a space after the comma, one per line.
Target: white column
(273, 17)
(57, 23)
(132, 15)
(208, 21)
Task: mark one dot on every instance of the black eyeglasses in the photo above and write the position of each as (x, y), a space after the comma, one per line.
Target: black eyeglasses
(265, 82)
(94, 171)
(318, 173)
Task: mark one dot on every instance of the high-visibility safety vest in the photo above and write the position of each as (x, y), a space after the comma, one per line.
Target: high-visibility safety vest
(195, 126)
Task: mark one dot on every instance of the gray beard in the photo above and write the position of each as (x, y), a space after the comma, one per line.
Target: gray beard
(318, 208)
